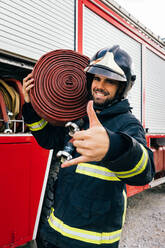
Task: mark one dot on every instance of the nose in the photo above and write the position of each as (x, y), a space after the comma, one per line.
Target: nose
(100, 83)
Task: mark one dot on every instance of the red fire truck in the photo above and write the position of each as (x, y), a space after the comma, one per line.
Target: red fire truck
(29, 29)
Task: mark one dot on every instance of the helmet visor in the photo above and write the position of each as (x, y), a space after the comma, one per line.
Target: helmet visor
(106, 72)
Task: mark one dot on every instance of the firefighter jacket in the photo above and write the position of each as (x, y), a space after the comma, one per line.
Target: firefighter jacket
(90, 198)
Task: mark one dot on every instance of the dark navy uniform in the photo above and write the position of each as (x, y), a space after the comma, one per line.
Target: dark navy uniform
(90, 198)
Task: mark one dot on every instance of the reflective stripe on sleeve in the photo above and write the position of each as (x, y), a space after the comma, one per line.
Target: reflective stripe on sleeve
(81, 234)
(36, 126)
(138, 168)
(96, 171)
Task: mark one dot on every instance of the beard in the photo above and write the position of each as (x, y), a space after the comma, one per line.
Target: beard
(104, 103)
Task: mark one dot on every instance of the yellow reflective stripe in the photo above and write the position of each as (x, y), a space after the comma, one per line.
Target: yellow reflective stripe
(81, 234)
(36, 126)
(139, 168)
(96, 171)
(125, 206)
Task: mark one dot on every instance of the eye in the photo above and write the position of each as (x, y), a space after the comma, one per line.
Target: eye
(111, 82)
(96, 78)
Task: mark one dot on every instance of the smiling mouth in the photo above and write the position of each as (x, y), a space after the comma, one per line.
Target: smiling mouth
(100, 93)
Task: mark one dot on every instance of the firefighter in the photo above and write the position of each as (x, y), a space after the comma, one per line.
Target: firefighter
(90, 195)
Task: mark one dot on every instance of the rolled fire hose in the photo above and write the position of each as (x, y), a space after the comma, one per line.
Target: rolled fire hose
(11, 97)
(4, 115)
(60, 94)
(16, 84)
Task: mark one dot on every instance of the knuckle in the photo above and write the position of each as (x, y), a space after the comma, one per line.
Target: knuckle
(75, 143)
(89, 153)
(78, 150)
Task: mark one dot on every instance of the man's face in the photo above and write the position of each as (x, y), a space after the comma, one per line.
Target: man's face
(103, 90)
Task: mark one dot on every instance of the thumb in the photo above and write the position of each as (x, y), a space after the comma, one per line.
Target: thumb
(93, 120)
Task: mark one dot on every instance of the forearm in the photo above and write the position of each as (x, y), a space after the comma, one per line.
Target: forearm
(47, 136)
(132, 164)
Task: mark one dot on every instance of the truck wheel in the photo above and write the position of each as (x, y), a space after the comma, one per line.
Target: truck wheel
(48, 200)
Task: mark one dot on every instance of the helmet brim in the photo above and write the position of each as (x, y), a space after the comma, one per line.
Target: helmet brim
(104, 71)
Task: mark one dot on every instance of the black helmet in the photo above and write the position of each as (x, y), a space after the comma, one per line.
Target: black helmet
(113, 63)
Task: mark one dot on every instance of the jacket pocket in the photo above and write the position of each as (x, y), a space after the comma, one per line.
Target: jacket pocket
(82, 211)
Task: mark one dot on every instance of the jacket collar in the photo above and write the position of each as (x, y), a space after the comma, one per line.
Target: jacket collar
(120, 107)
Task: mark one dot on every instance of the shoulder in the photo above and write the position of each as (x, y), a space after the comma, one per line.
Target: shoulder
(124, 120)
(128, 118)
(133, 127)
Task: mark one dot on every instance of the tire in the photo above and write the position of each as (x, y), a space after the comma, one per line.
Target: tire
(48, 200)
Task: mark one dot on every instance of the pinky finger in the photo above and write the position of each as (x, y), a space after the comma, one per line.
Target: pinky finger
(81, 159)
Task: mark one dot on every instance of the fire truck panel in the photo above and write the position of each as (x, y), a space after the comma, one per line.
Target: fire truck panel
(99, 33)
(23, 166)
(154, 76)
(32, 28)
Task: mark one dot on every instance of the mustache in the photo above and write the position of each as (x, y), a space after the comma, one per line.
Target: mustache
(105, 93)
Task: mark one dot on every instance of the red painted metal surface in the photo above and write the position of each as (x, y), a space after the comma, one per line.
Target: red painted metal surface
(155, 136)
(158, 158)
(164, 158)
(80, 27)
(158, 153)
(22, 171)
(132, 190)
